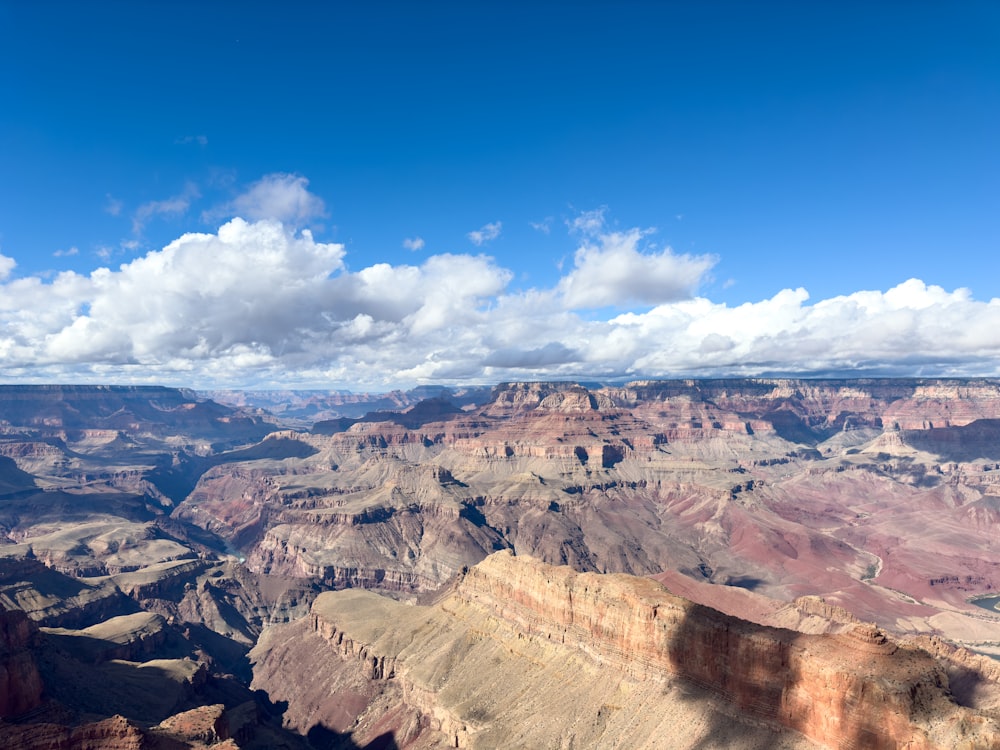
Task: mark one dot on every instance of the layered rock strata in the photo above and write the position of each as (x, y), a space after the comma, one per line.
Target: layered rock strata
(786, 488)
(604, 659)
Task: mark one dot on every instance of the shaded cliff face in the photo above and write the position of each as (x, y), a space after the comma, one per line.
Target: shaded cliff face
(609, 661)
(20, 680)
(158, 653)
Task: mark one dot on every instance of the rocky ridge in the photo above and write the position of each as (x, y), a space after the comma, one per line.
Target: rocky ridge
(514, 626)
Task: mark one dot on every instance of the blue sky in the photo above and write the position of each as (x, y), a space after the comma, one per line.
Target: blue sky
(497, 190)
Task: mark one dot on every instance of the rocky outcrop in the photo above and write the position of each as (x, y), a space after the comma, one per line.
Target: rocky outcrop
(20, 680)
(858, 688)
(206, 724)
(515, 628)
(135, 637)
(115, 733)
(53, 599)
(198, 729)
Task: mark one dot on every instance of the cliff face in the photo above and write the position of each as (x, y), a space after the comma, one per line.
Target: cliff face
(625, 659)
(20, 681)
(115, 733)
(855, 689)
(198, 729)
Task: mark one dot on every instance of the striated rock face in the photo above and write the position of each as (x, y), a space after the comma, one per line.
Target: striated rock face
(114, 733)
(151, 410)
(881, 496)
(822, 405)
(197, 729)
(624, 657)
(206, 724)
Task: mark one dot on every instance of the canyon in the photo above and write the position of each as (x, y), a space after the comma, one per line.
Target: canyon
(689, 563)
(608, 660)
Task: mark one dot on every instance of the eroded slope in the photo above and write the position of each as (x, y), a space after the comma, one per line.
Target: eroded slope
(522, 655)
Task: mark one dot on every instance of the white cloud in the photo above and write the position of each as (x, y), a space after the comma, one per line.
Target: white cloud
(911, 325)
(414, 243)
(66, 253)
(616, 272)
(6, 266)
(257, 303)
(204, 296)
(176, 205)
(485, 234)
(588, 222)
(281, 197)
(201, 140)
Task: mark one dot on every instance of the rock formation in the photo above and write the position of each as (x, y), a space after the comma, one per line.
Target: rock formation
(787, 488)
(155, 536)
(608, 661)
(20, 681)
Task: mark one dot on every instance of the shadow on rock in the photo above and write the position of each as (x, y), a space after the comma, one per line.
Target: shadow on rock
(321, 737)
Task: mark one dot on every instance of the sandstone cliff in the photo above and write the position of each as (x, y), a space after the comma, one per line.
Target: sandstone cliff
(608, 661)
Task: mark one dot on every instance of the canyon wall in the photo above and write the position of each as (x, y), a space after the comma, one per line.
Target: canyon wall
(613, 661)
(20, 680)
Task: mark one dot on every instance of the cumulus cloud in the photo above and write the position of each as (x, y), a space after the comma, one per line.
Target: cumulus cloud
(241, 290)
(281, 197)
(485, 234)
(414, 243)
(259, 303)
(614, 271)
(6, 266)
(911, 325)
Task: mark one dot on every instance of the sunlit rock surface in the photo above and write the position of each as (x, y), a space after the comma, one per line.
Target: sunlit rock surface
(522, 654)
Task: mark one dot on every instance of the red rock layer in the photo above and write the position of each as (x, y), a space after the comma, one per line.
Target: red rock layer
(857, 689)
(853, 690)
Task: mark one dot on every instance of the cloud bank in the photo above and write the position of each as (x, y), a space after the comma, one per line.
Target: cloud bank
(259, 303)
